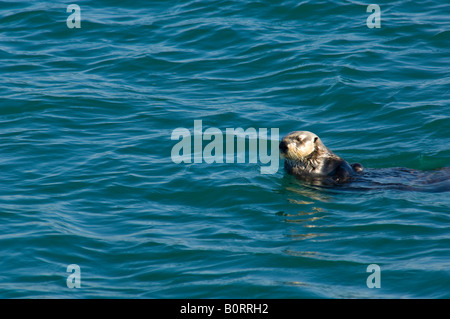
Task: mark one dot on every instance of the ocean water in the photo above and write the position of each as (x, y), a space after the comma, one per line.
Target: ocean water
(89, 118)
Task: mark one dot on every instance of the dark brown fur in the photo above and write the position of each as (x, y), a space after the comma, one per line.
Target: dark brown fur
(307, 158)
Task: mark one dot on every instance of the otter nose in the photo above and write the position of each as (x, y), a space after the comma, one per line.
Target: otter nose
(283, 146)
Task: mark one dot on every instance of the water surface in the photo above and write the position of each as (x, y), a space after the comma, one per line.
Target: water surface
(87, 114)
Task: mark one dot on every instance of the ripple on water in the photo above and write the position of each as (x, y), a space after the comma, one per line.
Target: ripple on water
(86, 117)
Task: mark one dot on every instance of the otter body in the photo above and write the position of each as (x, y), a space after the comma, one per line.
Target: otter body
(307, 158)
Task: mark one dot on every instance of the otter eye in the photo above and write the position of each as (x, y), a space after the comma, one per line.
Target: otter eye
(315, 139)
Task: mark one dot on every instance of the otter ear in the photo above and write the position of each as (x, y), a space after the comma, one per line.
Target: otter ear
(315, 139)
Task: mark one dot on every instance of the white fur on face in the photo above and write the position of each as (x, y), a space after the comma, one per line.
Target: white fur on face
(299, 151)
(299, 145)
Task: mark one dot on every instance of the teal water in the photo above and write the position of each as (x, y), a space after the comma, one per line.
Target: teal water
(87, 115)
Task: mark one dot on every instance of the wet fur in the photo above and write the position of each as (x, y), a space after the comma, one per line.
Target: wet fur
(307, 158)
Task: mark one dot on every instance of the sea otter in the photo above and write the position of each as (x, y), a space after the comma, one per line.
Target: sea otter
(307, 158)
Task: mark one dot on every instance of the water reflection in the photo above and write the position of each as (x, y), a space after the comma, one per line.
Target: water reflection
(305, 209)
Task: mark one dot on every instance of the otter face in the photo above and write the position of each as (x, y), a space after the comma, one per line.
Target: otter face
(298, 145)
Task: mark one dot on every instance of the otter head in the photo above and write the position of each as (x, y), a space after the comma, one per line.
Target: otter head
(299, 145)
